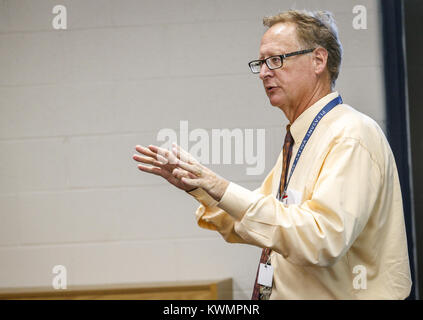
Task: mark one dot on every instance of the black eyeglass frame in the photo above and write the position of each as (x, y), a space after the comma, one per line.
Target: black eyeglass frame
(282, 56)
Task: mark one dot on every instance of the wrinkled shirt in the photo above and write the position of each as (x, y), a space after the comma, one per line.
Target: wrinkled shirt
(341, 233)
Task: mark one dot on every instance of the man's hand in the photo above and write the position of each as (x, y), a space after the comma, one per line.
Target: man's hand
(203, 177)
(181, 169)
(161, 168)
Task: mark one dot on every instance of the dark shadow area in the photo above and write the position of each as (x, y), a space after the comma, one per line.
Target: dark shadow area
(413, 17)
(402, 25)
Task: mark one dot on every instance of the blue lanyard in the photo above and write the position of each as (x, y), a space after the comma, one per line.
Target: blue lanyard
(320, 115)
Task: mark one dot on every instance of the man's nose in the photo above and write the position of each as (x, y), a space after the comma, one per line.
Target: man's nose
(265, 72)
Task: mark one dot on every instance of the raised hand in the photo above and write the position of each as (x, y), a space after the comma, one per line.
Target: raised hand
(180, 169)
(160, 166)
(198, 175)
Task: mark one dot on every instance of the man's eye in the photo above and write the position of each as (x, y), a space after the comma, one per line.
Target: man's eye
(275, 60)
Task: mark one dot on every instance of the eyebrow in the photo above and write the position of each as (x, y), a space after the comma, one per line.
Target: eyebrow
(262, 58)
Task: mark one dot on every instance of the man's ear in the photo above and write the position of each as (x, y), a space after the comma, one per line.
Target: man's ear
(320, 60)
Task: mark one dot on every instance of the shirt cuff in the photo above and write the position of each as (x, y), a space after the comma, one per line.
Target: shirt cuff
(236, 200)
(203, 197)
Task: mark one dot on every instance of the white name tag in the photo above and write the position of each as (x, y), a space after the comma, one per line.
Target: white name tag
(292, 197)
(265, 276)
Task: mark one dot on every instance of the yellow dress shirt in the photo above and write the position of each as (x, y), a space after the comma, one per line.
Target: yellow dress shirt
(341, 234)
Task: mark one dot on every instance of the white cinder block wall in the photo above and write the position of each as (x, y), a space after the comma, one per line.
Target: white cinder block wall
(74, 103)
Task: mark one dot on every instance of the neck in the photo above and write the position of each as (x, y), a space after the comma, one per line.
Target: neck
(306, 102)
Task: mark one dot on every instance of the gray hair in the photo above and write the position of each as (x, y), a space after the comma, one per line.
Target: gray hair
(314, 29)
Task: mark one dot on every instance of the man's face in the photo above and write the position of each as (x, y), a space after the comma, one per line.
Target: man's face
(285, 86)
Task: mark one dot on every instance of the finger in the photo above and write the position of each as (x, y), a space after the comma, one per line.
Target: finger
(178, 151)
(182, 154)
(146, 151)
(146, 160)
(162, 159)
(164, 155)
(156, 149)
(153, 170)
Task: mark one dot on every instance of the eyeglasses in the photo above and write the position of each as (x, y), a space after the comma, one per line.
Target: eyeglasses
(274, 62)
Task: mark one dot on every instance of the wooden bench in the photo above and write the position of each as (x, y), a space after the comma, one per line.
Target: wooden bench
(181, 290)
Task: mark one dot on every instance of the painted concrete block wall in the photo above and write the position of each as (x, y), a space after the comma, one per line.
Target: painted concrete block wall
(75, 102)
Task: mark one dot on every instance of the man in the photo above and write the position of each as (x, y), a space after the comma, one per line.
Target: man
(329, 215)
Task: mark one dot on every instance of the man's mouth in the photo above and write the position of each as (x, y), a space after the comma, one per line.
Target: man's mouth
(270, 88)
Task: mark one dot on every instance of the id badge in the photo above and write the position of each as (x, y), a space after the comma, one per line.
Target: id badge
(292, 197)
(265, 276)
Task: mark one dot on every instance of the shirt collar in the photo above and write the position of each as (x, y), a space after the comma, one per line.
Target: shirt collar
(301, 124)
